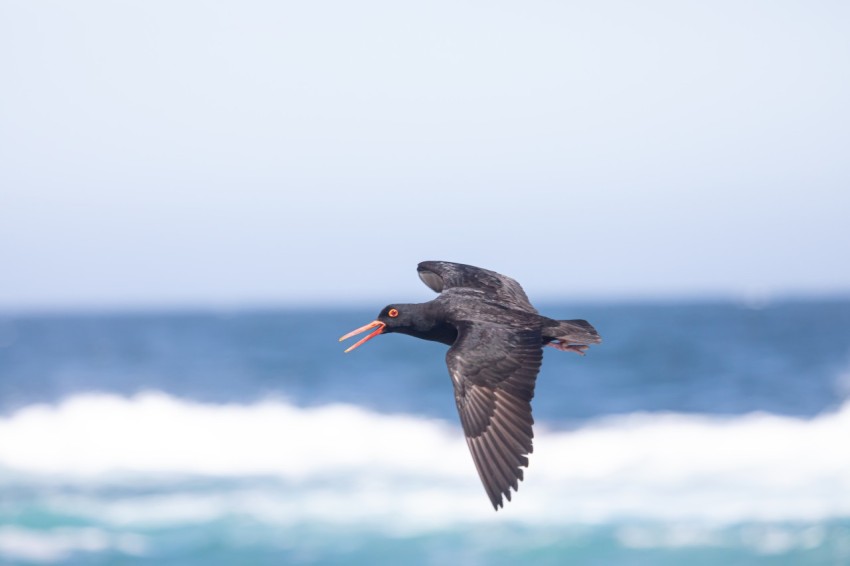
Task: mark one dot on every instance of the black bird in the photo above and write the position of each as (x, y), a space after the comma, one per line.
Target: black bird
(496, 340)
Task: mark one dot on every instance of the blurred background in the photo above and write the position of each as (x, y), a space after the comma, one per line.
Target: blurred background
(198, 198)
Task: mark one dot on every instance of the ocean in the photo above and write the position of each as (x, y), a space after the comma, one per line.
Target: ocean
(710, 432)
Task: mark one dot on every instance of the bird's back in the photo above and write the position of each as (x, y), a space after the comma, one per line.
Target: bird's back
(468, 306)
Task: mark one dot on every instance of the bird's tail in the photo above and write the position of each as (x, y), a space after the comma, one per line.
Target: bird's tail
(572, 335)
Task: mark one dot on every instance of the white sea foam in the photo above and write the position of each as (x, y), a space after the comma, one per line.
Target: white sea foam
(345, 465)
(763, 539)
(59, 544)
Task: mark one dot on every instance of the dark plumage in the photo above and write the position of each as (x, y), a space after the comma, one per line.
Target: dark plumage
(496, 338)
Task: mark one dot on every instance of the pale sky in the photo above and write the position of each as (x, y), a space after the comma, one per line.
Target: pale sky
(261, 152)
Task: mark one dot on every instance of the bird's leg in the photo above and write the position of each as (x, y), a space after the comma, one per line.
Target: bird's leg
(564, 347)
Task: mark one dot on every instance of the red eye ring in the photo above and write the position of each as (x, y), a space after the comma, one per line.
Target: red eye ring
(392, 313)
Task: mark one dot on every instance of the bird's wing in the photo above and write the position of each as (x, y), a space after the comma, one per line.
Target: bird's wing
(442, 275)
(493, 368)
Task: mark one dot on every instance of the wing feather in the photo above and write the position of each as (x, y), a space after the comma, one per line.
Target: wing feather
(442, 275)
(494, 383)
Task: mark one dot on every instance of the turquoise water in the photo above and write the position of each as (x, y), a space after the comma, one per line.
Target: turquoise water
(704, 433)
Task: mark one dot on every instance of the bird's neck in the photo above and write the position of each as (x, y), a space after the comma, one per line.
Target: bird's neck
(428, 325)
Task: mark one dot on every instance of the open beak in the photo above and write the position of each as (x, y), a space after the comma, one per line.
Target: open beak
(376, 324)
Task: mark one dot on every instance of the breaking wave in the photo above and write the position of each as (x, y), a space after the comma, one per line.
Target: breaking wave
(341, 464)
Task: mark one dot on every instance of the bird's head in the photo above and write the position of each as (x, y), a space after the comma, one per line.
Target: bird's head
(393, 318)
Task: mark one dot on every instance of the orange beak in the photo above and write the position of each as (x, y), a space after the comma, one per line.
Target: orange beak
(375, 324)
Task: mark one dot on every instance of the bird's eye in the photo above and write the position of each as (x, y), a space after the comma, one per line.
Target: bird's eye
(392, 313)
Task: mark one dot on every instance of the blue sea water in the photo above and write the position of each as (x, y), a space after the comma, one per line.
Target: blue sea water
(704, 433)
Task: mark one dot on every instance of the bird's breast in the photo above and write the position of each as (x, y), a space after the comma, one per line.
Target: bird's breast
(442, 332)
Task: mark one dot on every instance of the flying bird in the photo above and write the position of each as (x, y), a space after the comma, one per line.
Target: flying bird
(497, 339)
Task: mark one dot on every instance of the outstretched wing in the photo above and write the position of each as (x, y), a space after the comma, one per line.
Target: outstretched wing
(494, 369)
(442, 275)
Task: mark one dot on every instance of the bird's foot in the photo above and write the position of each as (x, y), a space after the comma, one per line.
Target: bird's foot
(579, 349)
